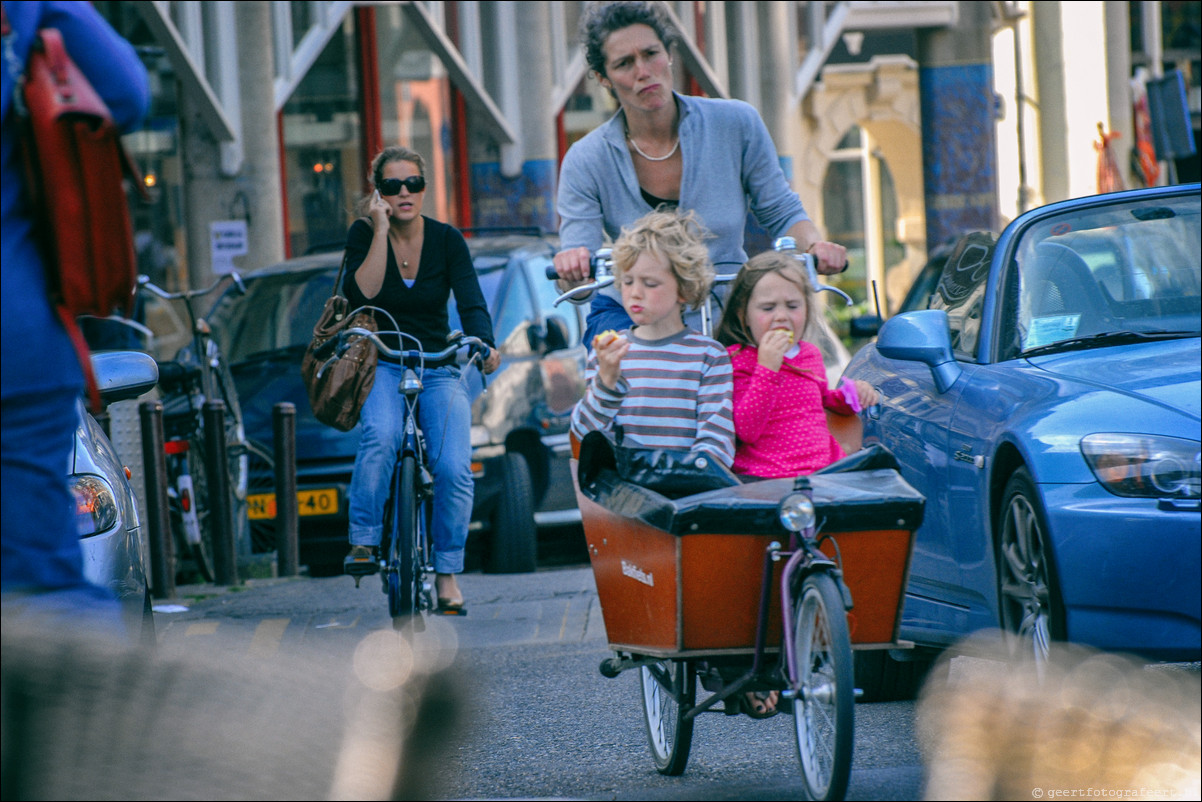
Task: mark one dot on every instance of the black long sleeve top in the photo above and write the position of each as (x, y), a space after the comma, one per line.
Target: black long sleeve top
(421, 310)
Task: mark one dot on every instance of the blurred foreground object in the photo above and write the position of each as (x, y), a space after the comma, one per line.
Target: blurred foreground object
(86, 719)
(1083, 724)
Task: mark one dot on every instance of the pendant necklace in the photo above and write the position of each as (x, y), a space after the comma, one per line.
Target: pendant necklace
(665, 157)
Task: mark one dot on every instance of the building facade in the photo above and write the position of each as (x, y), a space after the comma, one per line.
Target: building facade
(900, 123)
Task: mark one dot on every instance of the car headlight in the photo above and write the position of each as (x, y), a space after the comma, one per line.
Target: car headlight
(1144, 465)
(796, 512)
(95, 505)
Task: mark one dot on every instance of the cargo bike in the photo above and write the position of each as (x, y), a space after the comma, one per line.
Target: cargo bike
(708, 581)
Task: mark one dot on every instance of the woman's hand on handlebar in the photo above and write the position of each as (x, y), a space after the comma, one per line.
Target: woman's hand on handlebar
(829, 257)
(491, 362)
(574, 266)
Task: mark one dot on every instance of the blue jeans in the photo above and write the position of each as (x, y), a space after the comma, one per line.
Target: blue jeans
(445, 416)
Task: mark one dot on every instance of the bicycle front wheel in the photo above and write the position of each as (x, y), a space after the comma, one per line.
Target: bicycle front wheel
(825, 706)
(404, 545)
(668, 689)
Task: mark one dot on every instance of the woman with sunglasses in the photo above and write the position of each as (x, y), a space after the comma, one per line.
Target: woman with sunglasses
(410, 265)
(712, 156)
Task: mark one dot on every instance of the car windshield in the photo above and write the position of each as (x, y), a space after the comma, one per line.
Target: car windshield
(277, 313)
(1100, 275)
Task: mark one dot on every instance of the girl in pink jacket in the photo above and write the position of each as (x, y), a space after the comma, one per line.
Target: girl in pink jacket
(780, 387)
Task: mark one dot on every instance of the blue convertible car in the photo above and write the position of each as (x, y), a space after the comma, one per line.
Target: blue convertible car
(1045, 400)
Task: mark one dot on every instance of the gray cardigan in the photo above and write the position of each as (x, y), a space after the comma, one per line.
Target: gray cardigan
(724, 144)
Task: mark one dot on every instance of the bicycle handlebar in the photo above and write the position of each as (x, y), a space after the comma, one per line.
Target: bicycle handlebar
(458, 340)
(601, 266)
(808, 265)
(145, 282)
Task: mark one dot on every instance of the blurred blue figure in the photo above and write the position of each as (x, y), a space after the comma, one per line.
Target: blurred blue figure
(40, 376)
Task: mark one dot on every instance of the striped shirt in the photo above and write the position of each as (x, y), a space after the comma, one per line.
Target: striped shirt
(673, 393)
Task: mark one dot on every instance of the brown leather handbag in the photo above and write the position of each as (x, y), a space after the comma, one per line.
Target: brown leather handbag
(338, 384)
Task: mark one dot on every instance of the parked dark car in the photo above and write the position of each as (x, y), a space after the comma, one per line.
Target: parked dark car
(921, 289)
(1045, 400)
(114, 541)
(519, 425)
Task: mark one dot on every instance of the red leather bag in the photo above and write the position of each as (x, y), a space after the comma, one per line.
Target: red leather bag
(76, 167)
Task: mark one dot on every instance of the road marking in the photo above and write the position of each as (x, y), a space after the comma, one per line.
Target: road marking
(268, 635)
(563, 625)
(201, 628)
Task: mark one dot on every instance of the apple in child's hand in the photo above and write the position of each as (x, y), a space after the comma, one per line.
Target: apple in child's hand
(790, 333)
(604, 338)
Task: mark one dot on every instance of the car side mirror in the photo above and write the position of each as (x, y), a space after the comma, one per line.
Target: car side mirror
(864, 326)
(551, 336)
(122, 375)
(536, 336)
(922, 336)
(556, 338)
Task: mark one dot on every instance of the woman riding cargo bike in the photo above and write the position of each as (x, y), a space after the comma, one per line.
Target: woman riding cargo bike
(663, 149)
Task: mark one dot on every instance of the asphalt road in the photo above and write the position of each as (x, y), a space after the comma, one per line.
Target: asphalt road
(301, 689)
(525, 714)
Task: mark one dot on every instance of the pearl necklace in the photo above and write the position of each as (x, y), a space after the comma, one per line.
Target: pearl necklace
(635, 145)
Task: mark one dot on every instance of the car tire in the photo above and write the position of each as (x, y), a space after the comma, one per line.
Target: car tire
(1029, 606)
(882, 678)
(513, 544)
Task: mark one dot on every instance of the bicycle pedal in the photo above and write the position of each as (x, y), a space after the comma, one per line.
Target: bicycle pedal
(450, 611)
(360, 568)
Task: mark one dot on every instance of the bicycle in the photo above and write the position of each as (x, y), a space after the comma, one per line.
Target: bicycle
(197, 374)
(601, 269)
(688, 600)
(405, 556)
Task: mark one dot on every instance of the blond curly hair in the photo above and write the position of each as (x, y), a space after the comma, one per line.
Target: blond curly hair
(678, 237)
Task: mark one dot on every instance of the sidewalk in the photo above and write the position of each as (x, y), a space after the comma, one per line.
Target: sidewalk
(556, 605)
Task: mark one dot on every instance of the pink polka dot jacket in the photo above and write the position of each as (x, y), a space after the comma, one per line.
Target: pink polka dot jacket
(780, 422)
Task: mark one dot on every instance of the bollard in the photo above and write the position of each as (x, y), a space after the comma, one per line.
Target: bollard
(158, 514)
(284, 429)
(217, 494)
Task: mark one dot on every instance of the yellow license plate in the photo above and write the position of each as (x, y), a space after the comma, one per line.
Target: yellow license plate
(261, 506)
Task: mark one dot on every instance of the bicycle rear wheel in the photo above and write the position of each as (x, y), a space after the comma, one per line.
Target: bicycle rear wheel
(201, 552)
(668, 689)
(186, 480)
(403, 558)
(825, 707)
(238, 447)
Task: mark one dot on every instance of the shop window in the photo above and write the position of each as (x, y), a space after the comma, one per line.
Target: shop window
(323, 147)
(415, 105)
(159, 236)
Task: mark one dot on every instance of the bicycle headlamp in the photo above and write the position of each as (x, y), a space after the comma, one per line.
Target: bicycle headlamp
(796, 512)
(411, 383)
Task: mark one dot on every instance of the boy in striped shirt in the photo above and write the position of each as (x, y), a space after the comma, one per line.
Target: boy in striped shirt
(667, 386)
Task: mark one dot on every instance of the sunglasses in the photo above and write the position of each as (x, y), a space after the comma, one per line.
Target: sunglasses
(392, 186)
